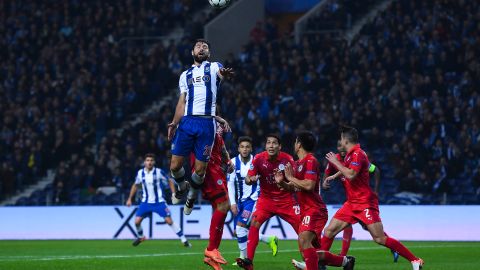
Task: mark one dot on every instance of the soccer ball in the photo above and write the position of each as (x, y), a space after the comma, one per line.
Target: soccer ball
(219, 3)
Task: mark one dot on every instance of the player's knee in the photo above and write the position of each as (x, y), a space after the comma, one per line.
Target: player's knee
(175, 165)
(380, 240)
(200, 171)
(255, 224)
(223, 207)
(303, 242)
(169, 220)
(329, 232)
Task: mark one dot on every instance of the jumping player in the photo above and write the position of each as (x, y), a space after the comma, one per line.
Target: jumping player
(362, 202)
(243, 197)
(272, 200)
(152, 181)
(194, 118)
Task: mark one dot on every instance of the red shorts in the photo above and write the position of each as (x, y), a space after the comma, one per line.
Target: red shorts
(314, 221)
(287, 210)
(366, 215)
(214, 188)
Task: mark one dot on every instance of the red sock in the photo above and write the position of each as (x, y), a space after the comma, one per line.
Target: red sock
(216, 229)
(395, 245)
(332, 259)
(252, 242)
(311, 258)
(326, 243)
(347, 238)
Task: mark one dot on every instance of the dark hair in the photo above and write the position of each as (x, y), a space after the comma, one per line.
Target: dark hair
(201, 40)
(307, 140)
(349, 133)
(273, 135)
(244, 139)
(149, 155)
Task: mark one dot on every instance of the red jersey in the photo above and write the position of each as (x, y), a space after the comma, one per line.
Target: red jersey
(308, 169)
(331, 169)
(215, 163)
(358, 190)
(264, 167)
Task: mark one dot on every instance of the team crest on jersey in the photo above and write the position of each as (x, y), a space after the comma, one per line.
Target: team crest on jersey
(207, 69)
(219, 182)
(300, 168)
(281, 167)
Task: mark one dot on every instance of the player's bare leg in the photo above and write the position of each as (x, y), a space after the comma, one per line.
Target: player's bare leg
(334, 227)
(178, 173)
(140, 236)
(196, 184)
(216, 232)
(177, 231)
(379, 236)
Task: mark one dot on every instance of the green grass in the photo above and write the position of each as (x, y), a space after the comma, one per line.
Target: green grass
(170, 254)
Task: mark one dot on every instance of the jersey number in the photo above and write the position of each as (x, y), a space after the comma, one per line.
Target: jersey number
(306, 220)
(367, 215)
(297, 209)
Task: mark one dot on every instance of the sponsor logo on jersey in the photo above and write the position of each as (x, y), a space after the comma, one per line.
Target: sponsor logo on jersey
(300, 168)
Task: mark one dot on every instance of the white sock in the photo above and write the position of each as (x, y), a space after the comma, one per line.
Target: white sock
(265, 238)
(179, 232)
(197, 179)
(242, 237)
(180, 178)
(139, 230)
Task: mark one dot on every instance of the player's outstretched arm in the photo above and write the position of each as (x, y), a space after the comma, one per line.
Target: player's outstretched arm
(133, 191)
(347, 172)
(179, 112)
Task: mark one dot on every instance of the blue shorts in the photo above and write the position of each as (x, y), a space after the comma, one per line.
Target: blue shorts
(146, 208)
(194, 134)
(245, 210)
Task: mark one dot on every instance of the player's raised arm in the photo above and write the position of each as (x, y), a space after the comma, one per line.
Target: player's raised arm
(299, 183)
(347, 172)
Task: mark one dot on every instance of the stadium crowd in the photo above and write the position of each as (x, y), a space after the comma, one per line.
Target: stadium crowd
(409, 83)
(66, 78)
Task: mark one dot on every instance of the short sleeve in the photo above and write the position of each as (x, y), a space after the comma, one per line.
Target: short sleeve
(253, 167)
(216, 68)
(182, 83)
(138, 179)
(357, 162)
(311, 170)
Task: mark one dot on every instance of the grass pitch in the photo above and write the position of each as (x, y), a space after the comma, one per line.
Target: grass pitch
(170, 254)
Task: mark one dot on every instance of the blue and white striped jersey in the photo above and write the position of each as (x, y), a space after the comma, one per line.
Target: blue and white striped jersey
(236, 181)
(152, 184)
(201, 85)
